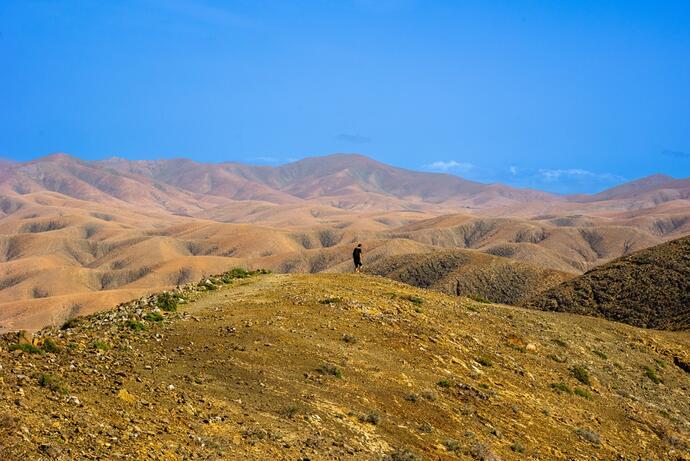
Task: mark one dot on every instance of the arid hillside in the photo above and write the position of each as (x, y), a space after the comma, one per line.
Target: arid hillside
(334, 366)
(649, 288)
(470, 273)
(77, 236)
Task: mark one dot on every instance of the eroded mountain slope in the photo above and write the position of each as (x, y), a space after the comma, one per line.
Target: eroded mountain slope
(469, 273)
(649, 288)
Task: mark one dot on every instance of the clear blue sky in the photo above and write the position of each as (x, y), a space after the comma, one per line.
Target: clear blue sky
(559, 95)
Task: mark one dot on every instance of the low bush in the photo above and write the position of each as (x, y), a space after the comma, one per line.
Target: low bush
(581, 374)
(25, 347)
(328, 369)
(51, 382)
(153, 317)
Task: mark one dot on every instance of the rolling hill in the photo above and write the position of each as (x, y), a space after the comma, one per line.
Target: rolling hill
(649, 288)
(335, 366)
(77, 236)
(469, 273)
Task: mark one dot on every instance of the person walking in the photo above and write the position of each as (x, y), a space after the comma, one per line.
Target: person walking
(357, 257)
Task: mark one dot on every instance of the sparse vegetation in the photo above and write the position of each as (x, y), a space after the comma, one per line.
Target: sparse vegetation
(135, 325)
(560, 342)
(52, 383)
(71, 323)
(517, 448)
(561, 387)
(483, 361)
(348, 338)
(444, 383)
(166, 302)
(329, 369)
(581, 374)
(600, 354)
(589, 436)
(25, 347)
(413, 299)
(331, 300)
(584, 393)
(426, 428)
(50, 346)
(429, 395)
(402, 454)
(451, 444)
(290, 411)
(651, 374)
(479, 298)
(373, 417)
(412, 397)
(100, 345)
(153, 316)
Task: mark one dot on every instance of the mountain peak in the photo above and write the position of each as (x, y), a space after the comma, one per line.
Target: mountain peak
(57, 157)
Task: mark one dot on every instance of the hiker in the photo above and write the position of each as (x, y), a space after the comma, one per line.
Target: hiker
(357, 257)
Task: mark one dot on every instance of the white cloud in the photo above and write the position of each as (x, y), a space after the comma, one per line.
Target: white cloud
(513, 170)
(570, 174)
(451, 165)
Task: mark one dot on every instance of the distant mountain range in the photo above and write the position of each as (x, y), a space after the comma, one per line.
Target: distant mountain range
(79, 236)
(347, 181)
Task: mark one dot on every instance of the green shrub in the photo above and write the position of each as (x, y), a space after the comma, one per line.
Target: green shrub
(517, 448)
(413, 299)
(651, 374)
(25, 347)
(580, 373)
(51, 382)
(444, 383)
(484, 361)
(100, 345)
(600, 354)
(136, 326)
(153, 317)
(50, 346)
(561, 387)
(582, 393)
(328, 369)
(167, 302)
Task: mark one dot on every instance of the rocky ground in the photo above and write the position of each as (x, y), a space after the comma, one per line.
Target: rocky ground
(333, 366)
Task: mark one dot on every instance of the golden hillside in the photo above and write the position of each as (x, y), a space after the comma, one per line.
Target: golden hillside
(336, 366)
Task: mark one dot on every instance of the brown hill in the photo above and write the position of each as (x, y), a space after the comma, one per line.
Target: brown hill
(78, 235)
(469, 273)
(650, 288)
(332, 367)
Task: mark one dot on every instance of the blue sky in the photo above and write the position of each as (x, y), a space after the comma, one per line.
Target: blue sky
(566, 96)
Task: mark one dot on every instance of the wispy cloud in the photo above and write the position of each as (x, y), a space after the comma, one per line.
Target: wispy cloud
(562, 180)
(353, 138)
(450, 166)
(549, 175)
